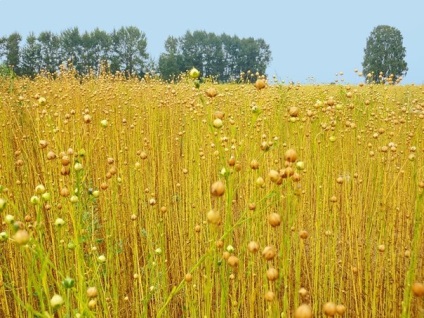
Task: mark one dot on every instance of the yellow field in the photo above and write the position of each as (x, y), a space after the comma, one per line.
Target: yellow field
(110, 207)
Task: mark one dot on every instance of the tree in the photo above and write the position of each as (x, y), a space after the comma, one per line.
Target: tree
(221, 56)
(384, 55)
(97, 49)
(13, 50)
(31, 56)
(2, 47)
(71, 47)
(50, 51)
(171, 62)
(204, 51)
(129, 51)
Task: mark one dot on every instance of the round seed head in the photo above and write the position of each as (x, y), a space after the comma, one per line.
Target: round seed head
(92, 292)
(340, 309)
(303, 311)
(56, 301)
(217, 188)
(329, 309)
(269, 296)
(21, 237)
(233, 261)
(269, 252)
(213, 217)
(188, 277)
(303, 235)
(272, 274)
(274, 219)
(418, 289)
(253, 246)
(290, 155)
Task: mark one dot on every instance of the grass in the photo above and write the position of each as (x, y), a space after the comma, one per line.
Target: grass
(127, 165)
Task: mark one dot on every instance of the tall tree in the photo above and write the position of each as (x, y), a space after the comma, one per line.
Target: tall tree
(232, 48)
(171, 62)
(384, 54)
(13, 50)
(2, 47)
(222, 56)
(31, 56)
(97, 49)
(71, 47)
(129, 51)
(50, 51)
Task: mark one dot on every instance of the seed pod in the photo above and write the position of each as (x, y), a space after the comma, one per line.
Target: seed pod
(260, 84)
(303, 292)
(340, 309)
(254, 164)
(211, 92)
(21, 237)
(219, 114)
(92, 292)
(293, 111)
(233, 261)
(87, 118)
(269, 296)
(274, 175)
(56, 301)
(217, 123)
(290, 155)
(213, 217)
(296, 177)
(303, 235)
(188, 277)
(269, 252)
(303, 311)
(274, 219)
(65, 160)
(272, 274)
(43, 144)
(418, 289)
(329, 309)
(64, 192)
(92, 303)
(51, 155)
(217, 188)
(253, 246)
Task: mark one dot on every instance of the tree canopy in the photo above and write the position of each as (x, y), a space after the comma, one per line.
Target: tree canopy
(124, 50)
(222, 56)
(384, 55)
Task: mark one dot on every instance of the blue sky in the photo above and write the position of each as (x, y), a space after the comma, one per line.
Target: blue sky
(310, 40)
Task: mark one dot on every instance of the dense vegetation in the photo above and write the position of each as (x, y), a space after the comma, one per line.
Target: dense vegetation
(384, 55)
(139, 198)
(125, 50)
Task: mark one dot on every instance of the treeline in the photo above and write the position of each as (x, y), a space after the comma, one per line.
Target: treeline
(214, 55)
(125, 50)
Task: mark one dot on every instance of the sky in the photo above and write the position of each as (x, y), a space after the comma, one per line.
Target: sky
(311, 41)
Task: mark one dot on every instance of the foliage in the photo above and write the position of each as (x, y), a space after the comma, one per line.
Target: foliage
(31, 56)
(128, 51)
(221, 56)
(6, 71)
(11, 47)
(124, 50)
(384, 55)
(131, 198)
